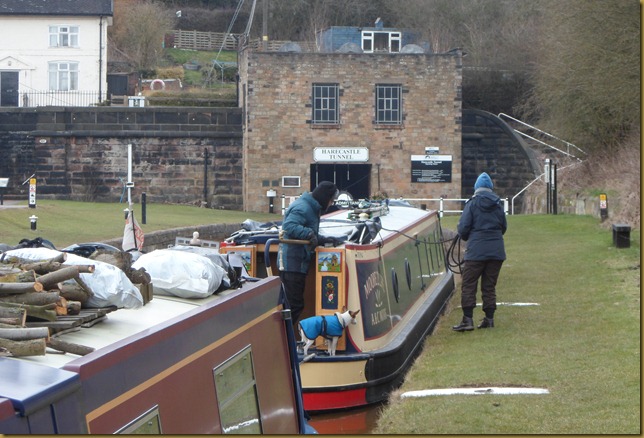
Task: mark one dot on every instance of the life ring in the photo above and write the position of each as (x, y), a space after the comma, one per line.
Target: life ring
(157, 81)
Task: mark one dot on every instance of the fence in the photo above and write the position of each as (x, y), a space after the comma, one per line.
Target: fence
(194, 40)
(419, 201)
(34, 98)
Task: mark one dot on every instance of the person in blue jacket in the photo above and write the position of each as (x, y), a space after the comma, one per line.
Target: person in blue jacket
(482, 225)
(302, 222)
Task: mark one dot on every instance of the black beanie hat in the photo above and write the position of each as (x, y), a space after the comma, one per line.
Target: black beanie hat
(324, 192)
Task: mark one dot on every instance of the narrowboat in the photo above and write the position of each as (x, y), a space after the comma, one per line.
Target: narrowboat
(226, 363)
(389, 262)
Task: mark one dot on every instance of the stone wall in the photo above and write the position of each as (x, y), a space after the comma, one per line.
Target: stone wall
(490, 145)
(179, 155)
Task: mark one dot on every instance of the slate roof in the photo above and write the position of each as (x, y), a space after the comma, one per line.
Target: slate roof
(57, 7)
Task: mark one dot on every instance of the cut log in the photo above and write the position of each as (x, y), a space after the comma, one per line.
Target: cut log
(14, 322)
(20, 288)
(19, 277)
(68, 347)
(41, 268)
(74, 307)
(46, 312)
(24, 333)
(35, 298)
(67, 273)
(74, 292)
(33, 347)
(61, 306)
(139, 276)
(13, 313)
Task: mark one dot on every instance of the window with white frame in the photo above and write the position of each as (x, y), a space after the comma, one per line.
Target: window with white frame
(63, 76)
(381, 41)
(388, 104)
(326, 104)
(63, 36)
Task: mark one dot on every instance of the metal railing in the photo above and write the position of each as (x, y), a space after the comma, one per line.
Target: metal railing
(80, 98)
(567, 144)
(441, 203)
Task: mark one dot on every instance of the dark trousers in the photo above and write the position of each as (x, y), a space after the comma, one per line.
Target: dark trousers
(294, 283)
(488, 271)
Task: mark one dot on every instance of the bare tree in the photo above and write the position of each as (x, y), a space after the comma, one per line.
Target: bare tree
(588, 73)
(139, 29)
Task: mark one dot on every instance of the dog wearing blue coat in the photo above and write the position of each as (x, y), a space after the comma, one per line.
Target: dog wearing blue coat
(329, 326)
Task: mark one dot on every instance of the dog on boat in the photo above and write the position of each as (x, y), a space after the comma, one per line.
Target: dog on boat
(329, 326)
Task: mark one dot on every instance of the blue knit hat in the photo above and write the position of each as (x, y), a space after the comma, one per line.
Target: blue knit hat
(483, 180)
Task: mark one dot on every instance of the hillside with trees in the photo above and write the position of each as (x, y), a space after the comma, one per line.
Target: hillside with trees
(569, 67)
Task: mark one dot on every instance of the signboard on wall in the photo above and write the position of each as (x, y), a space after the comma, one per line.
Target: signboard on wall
(333, 155)
(431, 168)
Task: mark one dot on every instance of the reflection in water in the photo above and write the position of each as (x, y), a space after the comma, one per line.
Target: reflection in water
(353, 421)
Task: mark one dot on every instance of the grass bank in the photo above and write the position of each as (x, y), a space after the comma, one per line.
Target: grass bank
(581, 343)
(67, 222)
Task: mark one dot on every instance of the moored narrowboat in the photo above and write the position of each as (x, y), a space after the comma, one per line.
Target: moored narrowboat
(222, 364)
(389, 262)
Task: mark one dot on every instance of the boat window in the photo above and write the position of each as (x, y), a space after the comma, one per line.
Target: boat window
(236, 390)
(148, 423)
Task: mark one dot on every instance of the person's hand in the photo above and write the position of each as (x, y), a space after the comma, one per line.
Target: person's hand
(313, 238)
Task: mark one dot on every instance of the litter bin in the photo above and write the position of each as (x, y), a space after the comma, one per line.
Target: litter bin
(622, 235)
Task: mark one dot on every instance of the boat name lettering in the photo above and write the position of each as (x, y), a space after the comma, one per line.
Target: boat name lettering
(378, 317)
(372, 285)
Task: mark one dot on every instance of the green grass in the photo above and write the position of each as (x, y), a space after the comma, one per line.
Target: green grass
(582, 342)
(67, 222)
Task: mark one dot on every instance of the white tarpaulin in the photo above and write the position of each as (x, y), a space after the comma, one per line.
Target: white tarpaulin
(181, 274)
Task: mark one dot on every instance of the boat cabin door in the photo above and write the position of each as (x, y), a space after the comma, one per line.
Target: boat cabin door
(330, 287)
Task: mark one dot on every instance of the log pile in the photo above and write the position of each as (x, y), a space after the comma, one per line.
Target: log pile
(33, 296)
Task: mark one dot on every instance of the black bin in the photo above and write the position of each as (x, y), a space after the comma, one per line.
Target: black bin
(622, 235)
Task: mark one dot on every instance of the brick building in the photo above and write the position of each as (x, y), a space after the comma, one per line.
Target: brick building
(370, 122)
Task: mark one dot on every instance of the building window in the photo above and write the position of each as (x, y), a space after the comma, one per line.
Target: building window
(326, 99)
(388, 104)
(63, 76)
(63, 36)
(381, 41)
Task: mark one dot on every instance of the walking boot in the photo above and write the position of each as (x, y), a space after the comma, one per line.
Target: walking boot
(487, 323)
(466, 325)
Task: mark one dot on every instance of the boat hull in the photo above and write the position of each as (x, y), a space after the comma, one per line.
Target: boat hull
(180, 375)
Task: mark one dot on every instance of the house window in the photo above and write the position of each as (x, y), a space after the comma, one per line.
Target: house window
(326, 103)
(381, 42)
(388, 104)
(63, 76)
(63, 36)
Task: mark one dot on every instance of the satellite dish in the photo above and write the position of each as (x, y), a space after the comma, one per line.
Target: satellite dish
(290, 47)
(412, 48)
(349, 48)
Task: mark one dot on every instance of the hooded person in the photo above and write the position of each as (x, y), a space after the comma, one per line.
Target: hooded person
(302, 222)
(482, 225)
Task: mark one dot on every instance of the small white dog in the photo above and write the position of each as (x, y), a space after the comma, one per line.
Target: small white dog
(329, 326)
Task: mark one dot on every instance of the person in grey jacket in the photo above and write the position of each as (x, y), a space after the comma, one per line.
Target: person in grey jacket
(482, 225)
(302, 222)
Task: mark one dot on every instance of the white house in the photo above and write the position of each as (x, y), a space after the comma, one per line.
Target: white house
(53, 52)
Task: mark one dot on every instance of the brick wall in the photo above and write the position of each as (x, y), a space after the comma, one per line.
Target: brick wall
(278, 141)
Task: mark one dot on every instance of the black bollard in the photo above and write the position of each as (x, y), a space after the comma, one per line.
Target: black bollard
(143, 204)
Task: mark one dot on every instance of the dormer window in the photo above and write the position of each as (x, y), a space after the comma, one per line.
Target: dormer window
(63, 36)
(380, 41)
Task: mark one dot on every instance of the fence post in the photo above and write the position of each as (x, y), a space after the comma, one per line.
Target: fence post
(440, 207)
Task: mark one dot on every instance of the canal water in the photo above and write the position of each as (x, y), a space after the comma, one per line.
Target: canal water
(357, 421)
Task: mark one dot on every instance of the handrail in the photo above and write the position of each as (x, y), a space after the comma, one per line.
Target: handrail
(567, 143)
